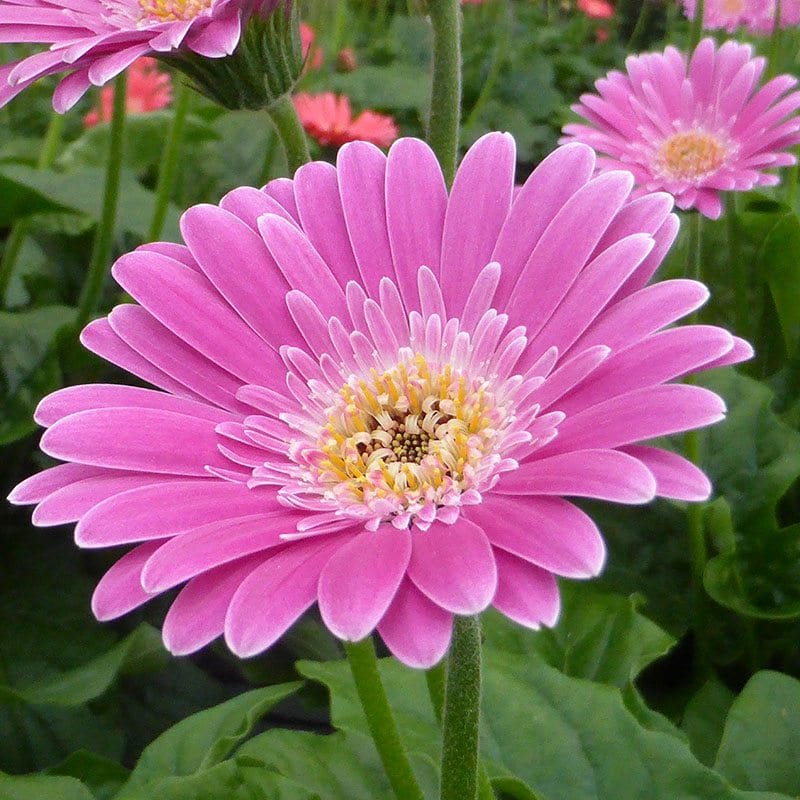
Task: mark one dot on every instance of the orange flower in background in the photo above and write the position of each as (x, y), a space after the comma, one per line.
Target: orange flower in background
(596, 9)
(149, 89)
(329, 120)
(347, 60)
(311, 52)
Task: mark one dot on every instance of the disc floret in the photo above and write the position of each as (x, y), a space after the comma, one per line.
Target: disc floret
(413, 442)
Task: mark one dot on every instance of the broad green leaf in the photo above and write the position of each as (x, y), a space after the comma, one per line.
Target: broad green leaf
(761, 741)
(27, 190)
(29, 366)
(101, 775)
(599, 636)
(337, 766)
(42, 787)
(704, 719)
(401, 86)
(564, 737)
(143, 647)
(780, 262)
(203, 740)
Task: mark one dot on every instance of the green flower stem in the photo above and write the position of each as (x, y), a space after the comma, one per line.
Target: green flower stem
(696, 28)
(462, 709)
(270, 149)
(645, 12)
(104, 236)
(283, 114)
(691, 445)
(380, 720)
(169, 160)
(446, 86)
(741, 267)
(19, 230)
(774, 53)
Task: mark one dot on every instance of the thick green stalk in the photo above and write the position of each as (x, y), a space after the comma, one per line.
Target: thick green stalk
(741, 267)
(446, 85)
(19, 230)
(104, 236)
(696, 28)
(691, 443)
(462, 711)
(270, 149)
(380, 720)
(645, 12)
(774, 56)
(290, 131)
(169, 160)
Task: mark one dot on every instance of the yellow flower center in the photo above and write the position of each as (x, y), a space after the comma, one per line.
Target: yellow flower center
(173, 10)
(732, 7)
(690, 155)
(408, 436)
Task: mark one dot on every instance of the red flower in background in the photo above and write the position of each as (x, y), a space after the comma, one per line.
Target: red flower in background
(312, 53)
(149, 89)
(329, 120)
(596, 9)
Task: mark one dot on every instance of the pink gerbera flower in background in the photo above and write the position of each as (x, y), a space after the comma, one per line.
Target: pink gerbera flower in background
(311, 51)
(149, 89)
(328, 118)
(692, 127)
(758, 16)
(95, 40)
(387, 396)
(596, 9)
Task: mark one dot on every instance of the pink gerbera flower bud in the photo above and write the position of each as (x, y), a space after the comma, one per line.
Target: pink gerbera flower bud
(328, 118)
(375, 396)
(692, 127)
(95, 40)
(149, 89)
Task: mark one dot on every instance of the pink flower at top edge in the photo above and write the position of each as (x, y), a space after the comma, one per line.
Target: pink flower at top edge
(311, 52)
(596, 9)
(693, 127)
(149, 89)
(390, 394)
(95, 40)
(758, 16)
(329, 120)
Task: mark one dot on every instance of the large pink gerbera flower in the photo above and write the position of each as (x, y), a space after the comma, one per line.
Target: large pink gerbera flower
(95, 40)
(374, 396)
(692, 129)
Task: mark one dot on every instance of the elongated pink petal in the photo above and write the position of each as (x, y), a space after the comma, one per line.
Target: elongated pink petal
(39, 486)
(525, 593)
(453, 565)
(675, 476)
(360, 580)
(547, 531)
(415, 629)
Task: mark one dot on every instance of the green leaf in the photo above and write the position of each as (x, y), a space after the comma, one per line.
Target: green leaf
(780, 263)
(563, 737)
(704, 719)
(203, 740)
(28, 365)
(761, 742)
(599, 636)
(89, 681)
(42, 787)
(102, 775)
(26, 190)
(404, 86)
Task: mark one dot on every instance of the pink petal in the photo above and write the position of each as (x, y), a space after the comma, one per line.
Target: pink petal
(547, 531)
(416, 201)
(361, 169)
(120, 589)
(39, 486)
(545, 192)
(272, 597)
(453, 565)
(197, 616)
(153, 512)
(675, 477)
(602, 474)
(142, 439)
(526, 593)
(416, 630)
(478, 207)
(360, 580)
(208, 546)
